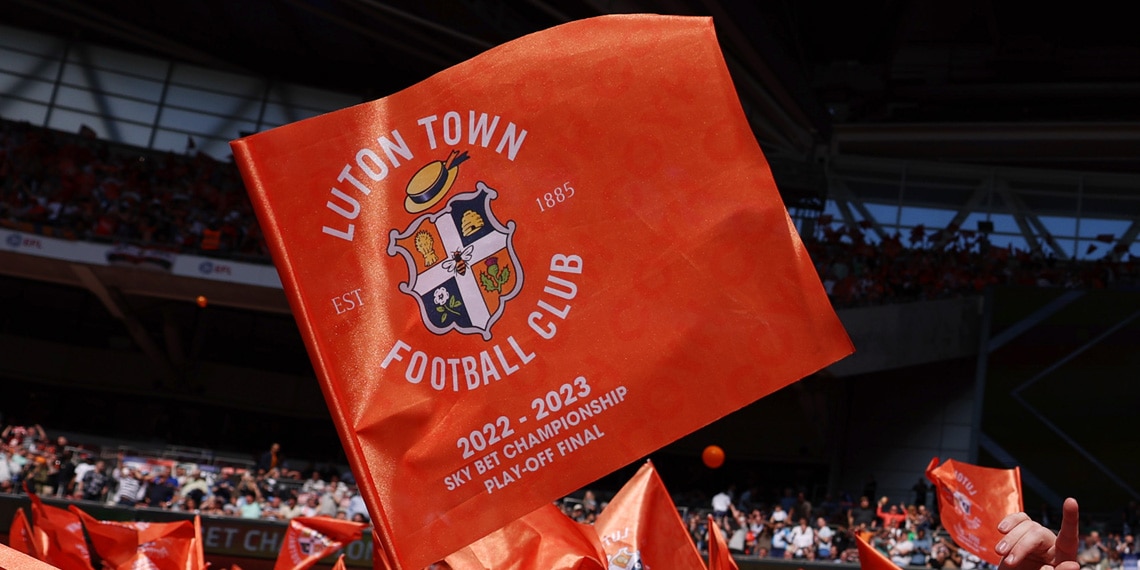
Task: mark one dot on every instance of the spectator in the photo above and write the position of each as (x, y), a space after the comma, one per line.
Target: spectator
(130, 489)
(160, 490)
(862, 514)
(249, 505)
(8, 470)
(922, 545)
(721, 502)
(780, 540)
(901, 549)
(271, 459)
(1091, 555)
(314, 484)
(291, 509)
(802, 541)
(892, 518)
(824, 537)
(195, 487)
(95, 482)
(944, 555)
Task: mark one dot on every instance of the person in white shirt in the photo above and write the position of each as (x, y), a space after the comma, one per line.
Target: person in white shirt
(802, 540)
(823, 539)
(721, 503)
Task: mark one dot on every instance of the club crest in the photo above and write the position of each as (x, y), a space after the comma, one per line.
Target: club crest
(462, 267)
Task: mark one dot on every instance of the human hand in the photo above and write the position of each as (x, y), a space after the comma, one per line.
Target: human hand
(1029, 546)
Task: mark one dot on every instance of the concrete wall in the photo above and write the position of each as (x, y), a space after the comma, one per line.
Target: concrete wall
(909, 334)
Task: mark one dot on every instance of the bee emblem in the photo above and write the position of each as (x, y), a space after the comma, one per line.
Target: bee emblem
(457, 263)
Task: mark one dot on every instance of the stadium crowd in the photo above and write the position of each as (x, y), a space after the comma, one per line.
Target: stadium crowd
(77, 187)
(268, 490)
(784, 525)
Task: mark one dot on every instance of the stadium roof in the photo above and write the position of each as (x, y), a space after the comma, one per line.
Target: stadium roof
(977, 81)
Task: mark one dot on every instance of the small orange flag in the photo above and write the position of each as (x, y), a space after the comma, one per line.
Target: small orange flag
(197, 558)
(869, 558)
(641, 526)
(309, 539)
(544, 539)
(12, 559)
(339, 563)
(719, 556)
(972, 500)
(59, 536)
(502, 272)
(126, 545)
(20, 534)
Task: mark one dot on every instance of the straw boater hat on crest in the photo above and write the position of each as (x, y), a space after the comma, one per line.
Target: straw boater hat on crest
(430, 184)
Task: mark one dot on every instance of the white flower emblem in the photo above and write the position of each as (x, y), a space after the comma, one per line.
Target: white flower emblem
(441, 296)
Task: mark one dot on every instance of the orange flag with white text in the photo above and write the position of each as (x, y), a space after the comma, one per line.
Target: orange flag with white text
(720, 558)
(309, 539)
(871, 559)
(641, 526)
(20, 534)
(502, 272)
(58, 536)
(972, 500)
(12, 559)
(545, 539)
(126, 545)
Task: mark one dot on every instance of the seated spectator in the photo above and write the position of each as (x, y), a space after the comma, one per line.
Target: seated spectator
(195, 487)
(160, 490)
(249, 505)
(802, 541)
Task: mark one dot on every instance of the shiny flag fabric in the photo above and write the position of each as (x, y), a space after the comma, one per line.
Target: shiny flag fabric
(309, 539)
(20, 534)
(127, 545)
(869, 558)
(972, 500)
(545, 539)
(640, 527)
(720, 558)
(502, 272)
(58, 536)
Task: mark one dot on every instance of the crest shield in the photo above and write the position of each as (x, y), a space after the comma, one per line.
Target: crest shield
(462, 267)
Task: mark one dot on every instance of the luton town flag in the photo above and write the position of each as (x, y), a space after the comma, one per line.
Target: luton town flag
(640, 527)
(972, 500)
(504, 273)
(309, 539)
(544, 539)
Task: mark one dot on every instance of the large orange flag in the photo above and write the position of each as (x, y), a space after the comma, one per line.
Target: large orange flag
(58, 535)
(126, 545)
(20, 534)
(544, 539)
(12, 559)
(871, 559)
(309, 539)
(501, 272)
(972, 500)
(641, 526)
(719, 556)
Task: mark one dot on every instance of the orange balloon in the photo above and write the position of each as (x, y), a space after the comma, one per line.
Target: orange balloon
(713, 456)
(202, 301)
